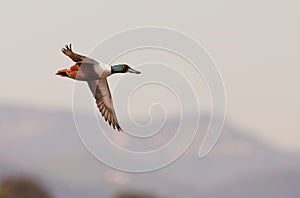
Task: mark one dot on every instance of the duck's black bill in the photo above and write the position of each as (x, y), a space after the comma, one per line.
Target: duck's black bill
(130, 70)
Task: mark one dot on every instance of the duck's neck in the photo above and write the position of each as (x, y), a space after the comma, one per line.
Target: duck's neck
(116, 69)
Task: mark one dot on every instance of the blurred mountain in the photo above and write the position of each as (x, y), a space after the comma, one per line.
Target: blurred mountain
(22, 188)
(277, 184)
(46, 144)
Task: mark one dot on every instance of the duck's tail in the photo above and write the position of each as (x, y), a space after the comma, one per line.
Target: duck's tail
(62, 72)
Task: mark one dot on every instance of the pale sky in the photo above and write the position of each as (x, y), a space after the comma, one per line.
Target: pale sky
(255, 44)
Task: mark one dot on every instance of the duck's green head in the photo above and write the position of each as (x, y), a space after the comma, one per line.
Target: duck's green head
(123, 68)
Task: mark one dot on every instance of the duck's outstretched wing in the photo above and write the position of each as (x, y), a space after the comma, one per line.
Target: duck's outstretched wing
(104, 102)
(67, 50)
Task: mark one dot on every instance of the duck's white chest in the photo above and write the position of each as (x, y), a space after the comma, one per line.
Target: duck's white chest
(102, 70)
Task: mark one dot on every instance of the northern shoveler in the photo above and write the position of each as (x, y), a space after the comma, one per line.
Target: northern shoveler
(95, 74)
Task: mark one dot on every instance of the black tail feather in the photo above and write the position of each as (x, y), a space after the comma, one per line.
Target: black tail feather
(63, 74)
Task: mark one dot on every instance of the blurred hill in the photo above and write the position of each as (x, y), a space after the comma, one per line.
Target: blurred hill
(22, 188)
(46, 144)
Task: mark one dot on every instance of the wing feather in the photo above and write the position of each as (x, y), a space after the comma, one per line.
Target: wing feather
(104, 102)
(67, 50)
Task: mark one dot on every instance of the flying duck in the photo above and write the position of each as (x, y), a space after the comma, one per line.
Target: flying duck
(95, 74)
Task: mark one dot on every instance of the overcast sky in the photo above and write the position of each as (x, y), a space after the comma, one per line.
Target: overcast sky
(255, 44)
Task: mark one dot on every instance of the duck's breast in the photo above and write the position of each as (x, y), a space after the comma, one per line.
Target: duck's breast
(106, 71)
(102, 69)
